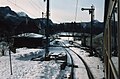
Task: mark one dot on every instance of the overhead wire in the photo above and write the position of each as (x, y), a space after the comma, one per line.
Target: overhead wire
(34, 6)
(20, 7)
(54, 13)
(37, 5)
(76, 10)
(40, 3)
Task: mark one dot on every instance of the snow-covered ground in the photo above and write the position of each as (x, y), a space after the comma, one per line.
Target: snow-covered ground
(94, 63)
(24, 68)
(115, 62)
(96, 66)
(80, 72)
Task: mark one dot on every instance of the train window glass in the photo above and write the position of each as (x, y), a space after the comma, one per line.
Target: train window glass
(114, 21)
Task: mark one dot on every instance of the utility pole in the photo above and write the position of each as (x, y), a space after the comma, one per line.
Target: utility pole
(47, 31)
(91, 11)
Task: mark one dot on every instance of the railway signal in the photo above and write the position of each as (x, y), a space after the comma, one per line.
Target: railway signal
(91, 11)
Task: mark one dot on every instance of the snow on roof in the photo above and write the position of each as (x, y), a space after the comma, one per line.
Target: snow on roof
(30, 35)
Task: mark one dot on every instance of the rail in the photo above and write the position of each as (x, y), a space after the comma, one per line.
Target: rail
(90, 75)
(72, 63)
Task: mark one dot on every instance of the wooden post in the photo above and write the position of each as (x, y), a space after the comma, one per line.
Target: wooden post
(10, 62)
(47, 31)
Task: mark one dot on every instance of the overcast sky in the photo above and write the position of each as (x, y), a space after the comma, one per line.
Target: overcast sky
(60, 10)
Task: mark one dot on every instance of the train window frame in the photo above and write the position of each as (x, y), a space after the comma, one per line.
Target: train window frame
(114, 33)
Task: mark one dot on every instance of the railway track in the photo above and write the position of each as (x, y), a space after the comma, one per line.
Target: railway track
(72, 62)
(90, 75)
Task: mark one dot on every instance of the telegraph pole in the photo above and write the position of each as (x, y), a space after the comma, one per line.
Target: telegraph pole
(47, 31)
(91, 11)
